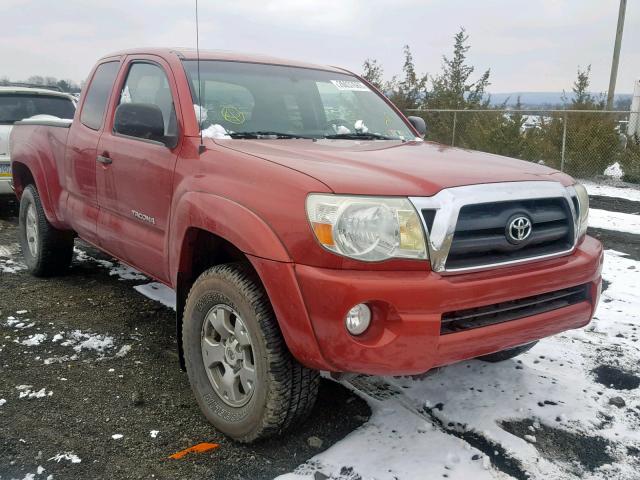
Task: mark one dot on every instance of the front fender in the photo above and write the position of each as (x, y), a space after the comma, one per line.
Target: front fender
(254, 237)
(227, 219)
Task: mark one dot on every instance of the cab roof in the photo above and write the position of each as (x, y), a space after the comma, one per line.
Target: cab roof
(224, 55)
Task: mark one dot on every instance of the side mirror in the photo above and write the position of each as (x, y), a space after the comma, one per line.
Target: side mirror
(419, 124)
(140, 120)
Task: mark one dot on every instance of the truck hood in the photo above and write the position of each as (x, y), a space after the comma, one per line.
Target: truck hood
(392, 168)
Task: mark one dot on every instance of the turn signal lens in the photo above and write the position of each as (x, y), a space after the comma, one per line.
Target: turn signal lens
(323, 233)
(411, 237)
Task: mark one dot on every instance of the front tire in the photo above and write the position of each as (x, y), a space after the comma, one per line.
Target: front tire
(244, 379)
(47, 251)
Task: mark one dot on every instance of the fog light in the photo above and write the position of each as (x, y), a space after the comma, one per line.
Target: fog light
(358, 319)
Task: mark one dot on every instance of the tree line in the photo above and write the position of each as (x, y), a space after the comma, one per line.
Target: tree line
(68, 86)
(592, 142)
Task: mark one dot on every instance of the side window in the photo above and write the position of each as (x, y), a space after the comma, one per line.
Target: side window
(98, 94)
(147, 84)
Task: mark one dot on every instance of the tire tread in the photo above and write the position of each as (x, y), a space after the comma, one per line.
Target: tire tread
(294, 387)
(56, 246)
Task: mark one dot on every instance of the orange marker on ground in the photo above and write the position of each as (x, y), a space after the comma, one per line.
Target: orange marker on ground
(199, 448)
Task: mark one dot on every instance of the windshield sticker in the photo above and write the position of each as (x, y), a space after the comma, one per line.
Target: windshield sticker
(352, 85)
(232, 115)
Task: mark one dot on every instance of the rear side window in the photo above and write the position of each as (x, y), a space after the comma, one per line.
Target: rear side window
(98, 94)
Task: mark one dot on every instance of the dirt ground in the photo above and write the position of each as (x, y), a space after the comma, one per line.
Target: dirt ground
(114, 371)
(99, 394)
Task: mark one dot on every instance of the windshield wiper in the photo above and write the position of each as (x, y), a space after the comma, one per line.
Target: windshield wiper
(360, 136)
(265, 134)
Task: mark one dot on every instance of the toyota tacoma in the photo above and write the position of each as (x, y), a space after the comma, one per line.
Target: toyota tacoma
(304, 224)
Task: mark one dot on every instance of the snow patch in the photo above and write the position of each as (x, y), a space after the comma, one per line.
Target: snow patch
(152, 433)
(11, 266)
(126, 273)
(123, 351)
(18, 324)
(614, 171)
(34, 340)
(26, 392)
(67, 456)
(117, 436)
(88, 341)
(118, 269)
(215, 131)
(632, 194)
(9, 250)
(621, 222)
(158, 292)
(60, 359)
(2, 401)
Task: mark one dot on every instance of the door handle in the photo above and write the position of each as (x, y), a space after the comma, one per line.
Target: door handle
(104, 160)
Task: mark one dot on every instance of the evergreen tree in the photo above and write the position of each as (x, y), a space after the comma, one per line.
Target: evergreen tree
(373, 73)
(452, 88)
(582, 99)
(591, 140)
(410, 91)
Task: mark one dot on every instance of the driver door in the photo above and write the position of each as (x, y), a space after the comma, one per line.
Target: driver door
(135, 175)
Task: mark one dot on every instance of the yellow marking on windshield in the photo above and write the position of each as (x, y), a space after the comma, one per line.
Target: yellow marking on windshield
(232, 115)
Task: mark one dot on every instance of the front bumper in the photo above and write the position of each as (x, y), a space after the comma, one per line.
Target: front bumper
(404, 337)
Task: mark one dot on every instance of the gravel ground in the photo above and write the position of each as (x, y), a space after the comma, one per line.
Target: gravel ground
(86, 357)
(114, 370)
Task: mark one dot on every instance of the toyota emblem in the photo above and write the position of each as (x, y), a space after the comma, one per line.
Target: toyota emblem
(518, 229)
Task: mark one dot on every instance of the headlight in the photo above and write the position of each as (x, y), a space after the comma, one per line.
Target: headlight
(583, 209)
(367, 228)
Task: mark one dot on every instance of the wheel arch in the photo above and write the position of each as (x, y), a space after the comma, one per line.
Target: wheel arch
(24, 175)
(202, 240)
(21, 177)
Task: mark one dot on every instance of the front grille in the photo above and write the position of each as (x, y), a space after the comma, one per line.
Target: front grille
(461, 320)
(480, 236)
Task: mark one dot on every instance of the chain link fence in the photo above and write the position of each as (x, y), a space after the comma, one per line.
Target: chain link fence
(582, 143)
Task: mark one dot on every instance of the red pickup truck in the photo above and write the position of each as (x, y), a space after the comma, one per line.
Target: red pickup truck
(304, 224)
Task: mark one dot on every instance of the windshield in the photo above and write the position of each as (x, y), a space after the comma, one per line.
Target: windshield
(18, 106)
(248, 100)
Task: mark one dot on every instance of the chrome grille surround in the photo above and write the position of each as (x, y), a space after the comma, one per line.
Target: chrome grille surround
(448, 202)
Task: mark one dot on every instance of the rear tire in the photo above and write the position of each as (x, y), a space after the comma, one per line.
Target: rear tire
(47, 251)
(507, 354)
(250, 387)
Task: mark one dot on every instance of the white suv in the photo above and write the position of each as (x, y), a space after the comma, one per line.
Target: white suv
(18, 103)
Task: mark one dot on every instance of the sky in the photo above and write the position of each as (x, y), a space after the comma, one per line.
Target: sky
(534, 45)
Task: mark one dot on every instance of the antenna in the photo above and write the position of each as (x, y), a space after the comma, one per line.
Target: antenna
(201, 148)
